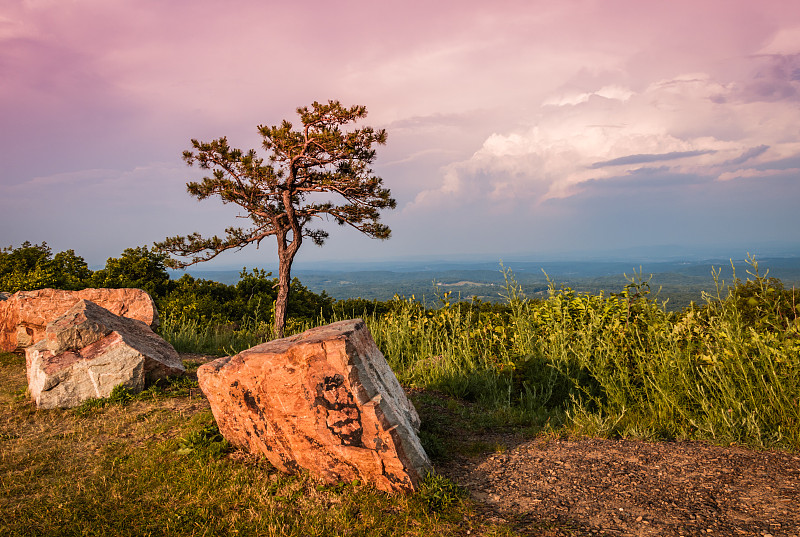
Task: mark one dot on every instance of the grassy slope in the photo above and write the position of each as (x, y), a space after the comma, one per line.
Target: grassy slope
(127, 469)
(573, 363)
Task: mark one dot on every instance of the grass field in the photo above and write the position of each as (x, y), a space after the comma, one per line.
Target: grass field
(154, 464)
(607, 364)
(603, 365)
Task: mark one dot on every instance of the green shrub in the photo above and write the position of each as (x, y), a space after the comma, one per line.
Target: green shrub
(33, 266)
(205, 443)
(120, 396)
(437, 493)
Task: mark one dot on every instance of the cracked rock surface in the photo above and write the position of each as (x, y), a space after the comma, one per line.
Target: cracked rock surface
(88, 351)
(324, 401)
(24, 316)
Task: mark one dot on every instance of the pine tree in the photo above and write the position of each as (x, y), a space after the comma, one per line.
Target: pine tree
(281, 197)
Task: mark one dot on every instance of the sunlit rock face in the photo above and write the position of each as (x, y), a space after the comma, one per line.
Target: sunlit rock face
(325, 401)
(88, 351)
(25, 314)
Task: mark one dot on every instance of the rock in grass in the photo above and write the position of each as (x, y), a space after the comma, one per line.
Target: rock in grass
(325, 401)
(25, 314)
(88, 351)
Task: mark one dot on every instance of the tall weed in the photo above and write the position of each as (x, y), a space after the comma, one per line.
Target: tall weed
(605, 364)
(616, 364)
(190, 336)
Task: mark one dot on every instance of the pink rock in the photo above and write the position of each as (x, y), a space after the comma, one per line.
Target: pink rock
(326, 401)
(25, 314)
(88, 351)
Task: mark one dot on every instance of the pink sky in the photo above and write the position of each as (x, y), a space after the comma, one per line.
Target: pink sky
(514, 127)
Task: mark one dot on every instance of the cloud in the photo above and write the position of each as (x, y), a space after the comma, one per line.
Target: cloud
(419, 155)
(773, 78)
(607, 92)
(786, 41)
(642, 159)
(432, 121)
(643, 180)
(501, 108)
(694, 123)
(751, 153)
(758, 173)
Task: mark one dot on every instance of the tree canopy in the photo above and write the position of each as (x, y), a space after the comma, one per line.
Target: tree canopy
(283, 196)
(33, 266)
(138, 267)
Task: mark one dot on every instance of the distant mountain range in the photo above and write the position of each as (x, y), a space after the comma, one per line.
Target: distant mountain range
(680, 281)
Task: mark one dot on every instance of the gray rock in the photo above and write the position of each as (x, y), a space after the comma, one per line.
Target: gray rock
(88, 351)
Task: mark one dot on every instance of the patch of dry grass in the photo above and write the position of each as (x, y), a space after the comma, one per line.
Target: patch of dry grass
(123, 469)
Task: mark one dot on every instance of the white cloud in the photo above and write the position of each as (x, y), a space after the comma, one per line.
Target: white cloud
(690, 124)
(618, 93)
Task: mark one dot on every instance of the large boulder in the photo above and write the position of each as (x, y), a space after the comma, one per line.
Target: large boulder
(25, 314)
(88, 351)
(325, 401)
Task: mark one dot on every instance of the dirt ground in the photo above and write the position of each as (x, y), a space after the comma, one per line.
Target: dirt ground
(553, 487)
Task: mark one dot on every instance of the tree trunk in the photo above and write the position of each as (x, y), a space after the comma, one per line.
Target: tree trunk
(286, 252)
(282, 301)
